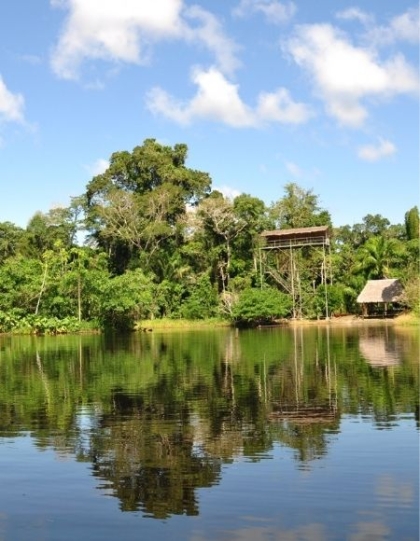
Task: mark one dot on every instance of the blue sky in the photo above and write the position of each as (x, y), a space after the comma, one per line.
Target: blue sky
(263, 92)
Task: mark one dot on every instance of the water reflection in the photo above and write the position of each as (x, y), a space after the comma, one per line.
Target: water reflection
(157, 417)
(380, 351)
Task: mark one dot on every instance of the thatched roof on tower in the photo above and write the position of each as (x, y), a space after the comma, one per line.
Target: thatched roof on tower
(300, 236)
(297, 232)
(387, 290)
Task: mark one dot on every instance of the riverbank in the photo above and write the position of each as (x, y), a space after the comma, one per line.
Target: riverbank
(404, 320)
(180, 324)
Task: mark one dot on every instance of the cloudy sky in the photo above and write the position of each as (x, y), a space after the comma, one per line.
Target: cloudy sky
(263, 92)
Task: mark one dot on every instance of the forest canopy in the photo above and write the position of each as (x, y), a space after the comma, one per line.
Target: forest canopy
(160, 242)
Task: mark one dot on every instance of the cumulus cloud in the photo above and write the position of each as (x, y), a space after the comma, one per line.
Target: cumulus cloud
(404, 27)
(125, 31)
(218, 99)
(210, 34)
(373, 153)
(344, 74)
(11, 105)
(274, 11)
(279, 107)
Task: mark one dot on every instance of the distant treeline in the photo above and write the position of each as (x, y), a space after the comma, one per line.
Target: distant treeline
(159, 242)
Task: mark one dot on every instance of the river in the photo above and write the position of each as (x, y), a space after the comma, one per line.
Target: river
(259, 435)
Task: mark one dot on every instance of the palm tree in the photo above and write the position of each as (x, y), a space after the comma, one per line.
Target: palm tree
(375, 258)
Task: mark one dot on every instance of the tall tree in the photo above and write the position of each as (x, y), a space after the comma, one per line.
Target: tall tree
(217, 218)
(58, 225)
(298, 208)
(412, 226)
(140, 199)
(253, 212)
(12, 239)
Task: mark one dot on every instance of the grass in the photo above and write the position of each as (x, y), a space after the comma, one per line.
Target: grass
(166, 324)
(408, 320)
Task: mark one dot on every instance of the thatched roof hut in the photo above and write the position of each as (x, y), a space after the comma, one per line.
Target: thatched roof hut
(381, 291)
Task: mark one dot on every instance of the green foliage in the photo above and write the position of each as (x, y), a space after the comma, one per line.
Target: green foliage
(258, 306)
(12, 240)
(12, 322)
(412, 227)
(377, 257)
(137, 205)
(9, 320)
(125, 299)
(20, 283)
(160, 243)
(412, 294)
(327, 301)
(298, 208)
(202, 302)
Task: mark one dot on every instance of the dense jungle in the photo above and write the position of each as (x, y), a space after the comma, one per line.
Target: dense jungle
(150, 239)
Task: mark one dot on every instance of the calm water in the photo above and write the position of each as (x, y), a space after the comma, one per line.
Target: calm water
(277, 434)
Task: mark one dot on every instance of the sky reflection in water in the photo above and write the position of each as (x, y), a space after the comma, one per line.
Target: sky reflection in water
(280, 434)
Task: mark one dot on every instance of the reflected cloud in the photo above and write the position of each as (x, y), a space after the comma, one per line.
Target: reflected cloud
(370, 531)
(309, 532)
(390, 491)
(380, 351)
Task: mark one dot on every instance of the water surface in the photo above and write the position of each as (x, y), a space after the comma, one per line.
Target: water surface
(282, 433)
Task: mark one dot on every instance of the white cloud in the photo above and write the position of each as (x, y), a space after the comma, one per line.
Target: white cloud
(217, 99)
(211, 35)
(108, 30)
(98, 167)
(404, 27)
(11, 105)
(274, 11)
(355, 14)
(279, 107)
(125, 31)
(373, 153)
(343, 74)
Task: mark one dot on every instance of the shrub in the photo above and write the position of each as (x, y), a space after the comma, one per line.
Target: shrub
(259, 306)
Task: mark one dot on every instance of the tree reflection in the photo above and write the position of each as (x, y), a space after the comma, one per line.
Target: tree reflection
(157, 416)
(146, 454)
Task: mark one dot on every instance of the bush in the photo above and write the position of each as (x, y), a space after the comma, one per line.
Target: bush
(125, 299)
(261, 306)
(202, 302)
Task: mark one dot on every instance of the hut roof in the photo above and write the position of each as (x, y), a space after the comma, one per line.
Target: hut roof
(296, 231)
(389, 290)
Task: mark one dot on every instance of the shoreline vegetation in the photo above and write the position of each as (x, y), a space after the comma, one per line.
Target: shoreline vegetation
(163, 249)
(403, 320)
(167, 325)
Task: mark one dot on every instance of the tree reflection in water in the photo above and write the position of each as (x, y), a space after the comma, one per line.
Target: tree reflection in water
(158, 416)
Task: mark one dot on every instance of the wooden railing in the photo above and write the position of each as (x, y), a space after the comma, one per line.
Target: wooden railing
(296, 243)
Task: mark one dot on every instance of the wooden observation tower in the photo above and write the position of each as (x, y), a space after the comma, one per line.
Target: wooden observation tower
(284, 254)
